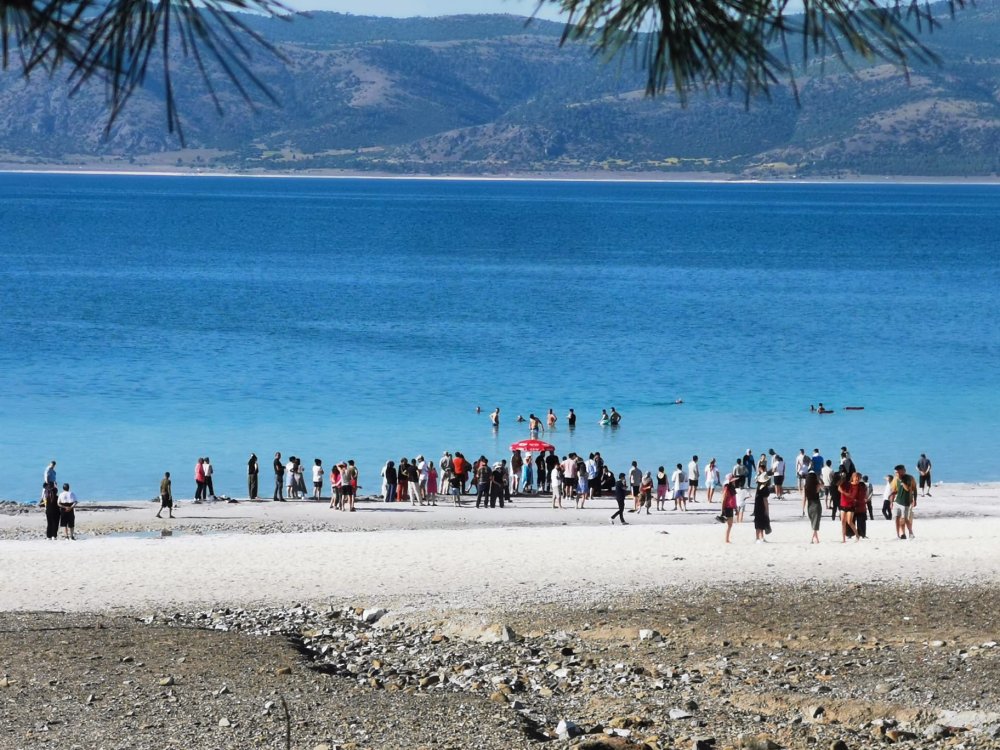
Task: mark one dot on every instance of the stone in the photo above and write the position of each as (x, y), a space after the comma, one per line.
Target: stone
(936, 731)
(567, 730)
(166, 681)
(838, 745)
(224, 722)
(430, 681)
(4, 682)
(814, 713)
(283, 670)
(607, 743)
(676, 714)
(760, 742)
(647, 634)
(936, 644)
(899, 735)
(322, 746)
(703, 743)
(498, 697)
(372, 616)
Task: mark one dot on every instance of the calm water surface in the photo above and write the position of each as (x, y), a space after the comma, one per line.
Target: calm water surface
(145, 321)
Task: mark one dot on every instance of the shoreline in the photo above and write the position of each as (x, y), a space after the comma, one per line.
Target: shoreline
(418, 559)
(554, 177)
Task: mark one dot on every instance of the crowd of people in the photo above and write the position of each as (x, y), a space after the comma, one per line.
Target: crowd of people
(572, 480)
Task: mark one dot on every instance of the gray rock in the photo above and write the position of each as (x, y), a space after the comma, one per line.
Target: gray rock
(224, 722)
(166, 681)
(372, 615)
(676, 714)
(647, 634)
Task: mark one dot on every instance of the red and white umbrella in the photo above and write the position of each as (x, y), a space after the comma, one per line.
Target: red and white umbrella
(532, 445)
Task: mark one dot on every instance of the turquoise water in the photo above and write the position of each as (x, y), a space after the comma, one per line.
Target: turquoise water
(146, 321)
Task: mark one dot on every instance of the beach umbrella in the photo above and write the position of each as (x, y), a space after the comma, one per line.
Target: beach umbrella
(532, 446)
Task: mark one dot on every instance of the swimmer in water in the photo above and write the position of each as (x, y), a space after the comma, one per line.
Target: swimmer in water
(605, 419)
(519, 418)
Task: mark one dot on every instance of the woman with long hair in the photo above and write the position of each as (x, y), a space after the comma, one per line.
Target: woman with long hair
(850, 487)
(812, 504)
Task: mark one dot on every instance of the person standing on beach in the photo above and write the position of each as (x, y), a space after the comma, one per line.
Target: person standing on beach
(850, 488)
(646, 492)
(542, 473)
(432, 484)
(253, 473)
(482, 477)
(923, 469)
(50, 501)
(620, 491)
(634, 480)
(728, 505)
(904, 493)
(49, 475)
(350, 481)
(712, 482)
(389, 481)
(317, 476)
(887, 498)
(817, 462)
(678, 481)
(802, 467)
(748, 468)
(279, 479)
(694, 476)
(662, 485)
(826, 474)
(556, 482)
(761, 508)
(209, 485)
(67, 511)
(527, 474)
(778, 473)
(199, 480)
(812, 505)
(569, 477)
(516, 464)
(166, 496)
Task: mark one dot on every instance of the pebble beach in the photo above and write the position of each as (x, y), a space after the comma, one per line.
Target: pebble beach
(401, 626)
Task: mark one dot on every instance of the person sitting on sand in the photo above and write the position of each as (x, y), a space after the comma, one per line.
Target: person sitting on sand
(166, 496)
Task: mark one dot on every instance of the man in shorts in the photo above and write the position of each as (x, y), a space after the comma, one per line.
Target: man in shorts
(694, 474)
(904, 494)
(924, 470)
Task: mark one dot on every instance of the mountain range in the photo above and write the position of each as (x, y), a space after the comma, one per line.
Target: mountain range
(497, 95)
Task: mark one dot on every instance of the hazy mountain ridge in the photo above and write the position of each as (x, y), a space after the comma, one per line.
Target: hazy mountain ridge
(488, 94)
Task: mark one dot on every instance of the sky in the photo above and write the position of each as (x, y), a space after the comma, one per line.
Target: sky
(405, 8)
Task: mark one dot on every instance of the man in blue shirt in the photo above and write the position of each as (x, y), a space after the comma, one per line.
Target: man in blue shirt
(817, 462)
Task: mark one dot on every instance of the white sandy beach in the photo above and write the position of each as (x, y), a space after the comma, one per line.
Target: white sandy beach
(427, 559)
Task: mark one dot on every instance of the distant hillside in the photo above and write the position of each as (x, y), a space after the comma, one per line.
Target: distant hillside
(494, 95)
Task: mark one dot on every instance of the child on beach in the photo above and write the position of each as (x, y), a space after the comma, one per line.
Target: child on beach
(166, 496)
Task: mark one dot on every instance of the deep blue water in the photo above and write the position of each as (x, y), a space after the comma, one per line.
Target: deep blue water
(145, 321)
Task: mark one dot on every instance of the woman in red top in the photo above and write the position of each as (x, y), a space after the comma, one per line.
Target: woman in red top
(728, 504)
(850, 489)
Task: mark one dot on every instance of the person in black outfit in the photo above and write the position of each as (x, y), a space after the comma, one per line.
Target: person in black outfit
(50, 499)
(542, 476)
(279, 479)
(621, 490)
(253, 470)
(496, 485)
(835, 493)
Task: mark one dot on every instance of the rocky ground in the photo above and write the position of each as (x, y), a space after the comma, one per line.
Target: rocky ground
(747, 667)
